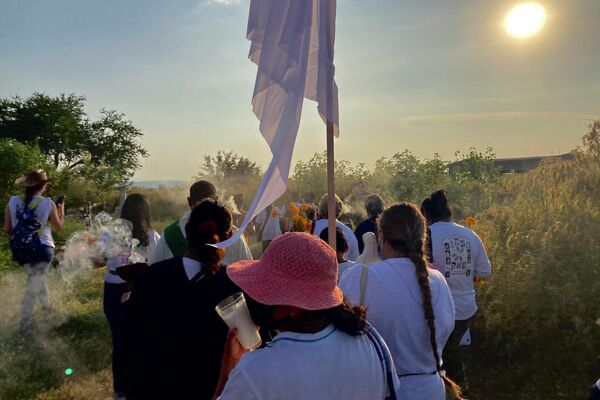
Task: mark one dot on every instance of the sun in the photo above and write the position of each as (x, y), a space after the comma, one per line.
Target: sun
(525, 20)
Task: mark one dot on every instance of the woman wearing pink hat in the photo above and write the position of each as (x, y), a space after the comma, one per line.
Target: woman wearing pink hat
(324, 348)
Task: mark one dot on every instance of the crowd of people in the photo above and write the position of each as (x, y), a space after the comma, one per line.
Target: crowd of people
(386, 314)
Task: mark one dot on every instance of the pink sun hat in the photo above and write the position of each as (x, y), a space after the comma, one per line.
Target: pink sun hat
(297, 269)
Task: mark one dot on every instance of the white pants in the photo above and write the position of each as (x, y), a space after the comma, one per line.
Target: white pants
(35, 290)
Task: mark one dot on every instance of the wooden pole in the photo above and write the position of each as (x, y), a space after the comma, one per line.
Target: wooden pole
(331, 208)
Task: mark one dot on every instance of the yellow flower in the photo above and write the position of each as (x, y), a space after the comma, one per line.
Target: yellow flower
(294, 210)
(470, 221)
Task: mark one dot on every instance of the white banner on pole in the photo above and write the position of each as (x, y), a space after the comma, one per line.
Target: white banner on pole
(292, 44)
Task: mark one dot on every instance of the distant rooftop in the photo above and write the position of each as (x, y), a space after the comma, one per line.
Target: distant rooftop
(519, 164)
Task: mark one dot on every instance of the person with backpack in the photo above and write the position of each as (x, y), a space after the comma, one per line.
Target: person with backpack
(459, 254)
(27, 220)
(173, 241)
(408, 303)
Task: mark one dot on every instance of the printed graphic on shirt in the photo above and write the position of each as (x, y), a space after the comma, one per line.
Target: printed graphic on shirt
(458, 256)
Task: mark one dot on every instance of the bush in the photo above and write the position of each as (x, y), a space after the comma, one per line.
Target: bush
(544, 243)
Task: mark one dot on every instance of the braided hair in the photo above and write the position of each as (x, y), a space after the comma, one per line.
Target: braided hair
(404, 227)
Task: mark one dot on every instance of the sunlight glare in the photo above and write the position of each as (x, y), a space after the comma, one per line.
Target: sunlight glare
(525, 20)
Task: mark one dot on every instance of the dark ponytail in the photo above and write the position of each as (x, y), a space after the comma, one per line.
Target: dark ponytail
(435, 207)
(404, 227)
(210, 222)
(348, 319)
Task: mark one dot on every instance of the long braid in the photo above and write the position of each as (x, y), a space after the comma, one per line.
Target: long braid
(412, 243)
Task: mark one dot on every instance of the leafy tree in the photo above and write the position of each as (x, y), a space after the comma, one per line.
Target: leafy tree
(591, 141)
(106, 151)
(15, 160)
(231, 173)
(475, 166)
(311, 175)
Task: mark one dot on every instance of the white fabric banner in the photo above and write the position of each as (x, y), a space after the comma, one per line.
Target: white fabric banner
(292, 44)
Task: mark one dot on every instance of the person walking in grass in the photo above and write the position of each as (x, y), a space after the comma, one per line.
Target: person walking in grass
(408, 303)
(173, 241)
(136, 211)
(459, 254)
(28, 219)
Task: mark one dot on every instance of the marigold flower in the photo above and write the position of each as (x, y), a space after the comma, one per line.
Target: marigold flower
(470, 221)
(275, 213)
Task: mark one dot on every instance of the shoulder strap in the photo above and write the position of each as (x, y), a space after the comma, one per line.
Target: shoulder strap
(364, 277)
(175, 240)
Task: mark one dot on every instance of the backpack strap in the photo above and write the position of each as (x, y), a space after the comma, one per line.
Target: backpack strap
(175, 240)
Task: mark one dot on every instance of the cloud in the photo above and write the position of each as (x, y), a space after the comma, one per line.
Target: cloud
(489, 117)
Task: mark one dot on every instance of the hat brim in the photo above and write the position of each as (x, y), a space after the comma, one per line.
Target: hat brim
(269, 289)
(22, 182)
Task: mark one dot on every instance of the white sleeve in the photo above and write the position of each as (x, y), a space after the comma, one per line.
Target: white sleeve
(161, 252)
(353, 252)
(483, 267)
(350, 283)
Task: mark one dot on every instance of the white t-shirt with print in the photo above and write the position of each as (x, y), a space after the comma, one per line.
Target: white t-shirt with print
(353, 252)
(271, 223)
(42, 213)
(329, 364)
(395, 308)
(117, 260)
(459, 254)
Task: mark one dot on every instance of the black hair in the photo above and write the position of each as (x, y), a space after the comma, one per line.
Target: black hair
(202, 190)
(340, 240)
(348, 319)
(136, 209)
(374, 205)
(435, 207)
(209, 223)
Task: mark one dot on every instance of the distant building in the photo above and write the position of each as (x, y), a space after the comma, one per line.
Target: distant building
(518, 164)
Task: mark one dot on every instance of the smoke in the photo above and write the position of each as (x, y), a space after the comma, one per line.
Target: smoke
(230, 203)
(106, 238)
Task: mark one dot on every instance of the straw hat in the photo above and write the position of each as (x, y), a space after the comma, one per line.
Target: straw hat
(297, 269)
(33, 178)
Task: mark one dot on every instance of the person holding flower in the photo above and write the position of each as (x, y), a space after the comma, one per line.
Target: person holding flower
(460, 255)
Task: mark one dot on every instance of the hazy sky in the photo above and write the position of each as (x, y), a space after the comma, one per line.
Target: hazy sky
(430, 76)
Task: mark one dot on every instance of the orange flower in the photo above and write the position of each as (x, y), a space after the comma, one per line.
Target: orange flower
(275, 213)
(305, 207)
(307, 227)
(294, 210)
(470, 221)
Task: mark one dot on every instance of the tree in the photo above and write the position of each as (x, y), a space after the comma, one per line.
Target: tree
(231, 173)
(591, 141)
(15, 160)
(106, 151)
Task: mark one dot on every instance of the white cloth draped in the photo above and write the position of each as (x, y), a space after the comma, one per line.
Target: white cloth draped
(292, 43)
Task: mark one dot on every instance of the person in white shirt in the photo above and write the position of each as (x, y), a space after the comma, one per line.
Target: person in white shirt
(322, 223)
(136, 211)
(408, 303)
(36, 250)
(268, 225)
(173, 241)
(460, 255)
(341, 250)
(324, 348)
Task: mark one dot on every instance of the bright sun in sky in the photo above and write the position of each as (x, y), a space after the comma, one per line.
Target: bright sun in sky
(525, 20)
